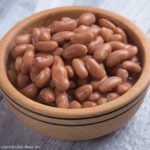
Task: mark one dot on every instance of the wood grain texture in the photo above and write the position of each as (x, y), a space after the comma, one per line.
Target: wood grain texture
(132, 136)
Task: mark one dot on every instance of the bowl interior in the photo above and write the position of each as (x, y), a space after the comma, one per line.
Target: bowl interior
(134, 35)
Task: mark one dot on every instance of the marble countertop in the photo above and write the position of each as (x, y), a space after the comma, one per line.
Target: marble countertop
(135, 135)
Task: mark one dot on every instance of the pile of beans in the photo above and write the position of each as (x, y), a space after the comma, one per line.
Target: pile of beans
(74, 63)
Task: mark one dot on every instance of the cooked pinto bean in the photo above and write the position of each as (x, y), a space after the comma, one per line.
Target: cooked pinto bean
(74, 62)
(110, 84)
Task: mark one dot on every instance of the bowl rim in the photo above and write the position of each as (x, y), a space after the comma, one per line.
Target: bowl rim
(29, 104)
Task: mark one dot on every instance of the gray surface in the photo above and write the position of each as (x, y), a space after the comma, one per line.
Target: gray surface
(133, 136)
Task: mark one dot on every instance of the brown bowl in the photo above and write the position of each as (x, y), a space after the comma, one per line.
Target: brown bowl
(75, 124)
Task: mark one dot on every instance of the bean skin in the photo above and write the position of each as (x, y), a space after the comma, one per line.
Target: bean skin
(58, 51)
(58, 61)
(79, 68)
(135, 59)
(116, 37)
(108, 24)
(62, 36)
(27, 61)
(94, 96)
(36, 35)
(12, 76)
(95, 83)
(116, 45)
(62, 100)
(58, 26)
(44, 35)
(45, 60)
(123, 88)
(93, 29)
(30, 90)
(102, 52)
(74, 104)
(70, 71)
(23, 39)
(82, 38)
(43, 77)
(121, 32)
(83, 92)
(122, 73)
(94, 68)
(33, 73)
(94, 44)
(106, 34)
(112, 96)
(87, 19)
(117, 57)
(109, 84)
(132, 50)
(75, 51)
(89, 104)
(22, 81)
(46, 46)
(18, 63)
(81, 28)
(60, 77)
(20, 49)
(102, 100)
(47, 95)
(131, 66)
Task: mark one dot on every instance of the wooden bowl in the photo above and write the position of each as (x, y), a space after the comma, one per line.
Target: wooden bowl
(75, 124)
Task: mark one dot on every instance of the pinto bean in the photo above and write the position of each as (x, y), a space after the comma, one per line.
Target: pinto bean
(62, 100)
(102, 52)
(131, 66)
(42, 61)
(79, 68)
(23, 39)
(30, 90)
(27, 61)
(94, 44)
(62, 36)
(20, 49)
(47, 95)
(122, 73)
(110, 84)
(70, 71)
(94, 68)
(12, 76)
(58, 26)
(116, 57)
(94, 96)
(121, 32)
(22, 80)
(74, 104)
(89, 104)
(108, 24)
(112, 96)
(102, 100)
(82, 38)
(46, 46)
(87, 19)
(43, 77)
(116, 45)
(123, 88)
(83, 92)
(75, 51)
(18, 63)
(60, 77)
